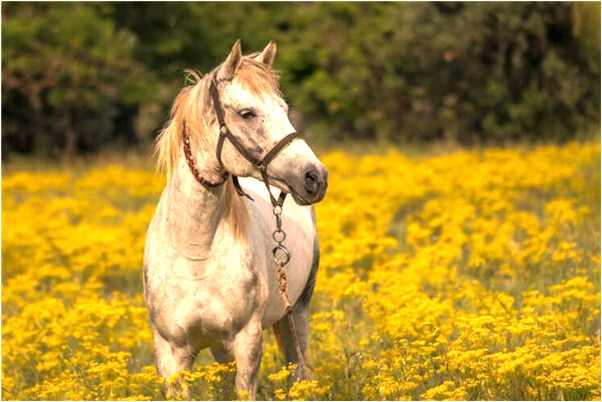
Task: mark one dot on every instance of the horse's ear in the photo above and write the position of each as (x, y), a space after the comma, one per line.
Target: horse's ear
(268, 55)
(232, 62)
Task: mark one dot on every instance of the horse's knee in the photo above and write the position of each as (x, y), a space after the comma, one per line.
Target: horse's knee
(247, 350)
(170, 359)
(247, 345)
(164, 361)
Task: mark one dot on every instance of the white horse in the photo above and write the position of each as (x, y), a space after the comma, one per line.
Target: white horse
(209, 274)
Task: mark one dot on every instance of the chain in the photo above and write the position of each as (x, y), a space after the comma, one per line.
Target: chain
(281, 257)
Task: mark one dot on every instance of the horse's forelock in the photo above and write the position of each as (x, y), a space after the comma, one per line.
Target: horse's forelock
(258, 78)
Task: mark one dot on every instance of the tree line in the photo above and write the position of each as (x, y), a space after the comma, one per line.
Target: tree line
(77, 77)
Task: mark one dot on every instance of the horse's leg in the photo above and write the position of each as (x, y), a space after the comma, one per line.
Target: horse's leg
(247, 348)
(170, 360)
(284, 337)
(220, 355)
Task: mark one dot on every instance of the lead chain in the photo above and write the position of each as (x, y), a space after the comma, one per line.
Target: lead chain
(281, 257)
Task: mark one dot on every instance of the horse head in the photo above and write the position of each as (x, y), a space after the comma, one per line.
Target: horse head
(256, 118)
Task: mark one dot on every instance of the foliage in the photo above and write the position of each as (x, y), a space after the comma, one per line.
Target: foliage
(78, 77)
(472, 275)
(68, 76)
(464, 72)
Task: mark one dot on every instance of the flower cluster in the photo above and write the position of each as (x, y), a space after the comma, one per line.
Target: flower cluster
(472, 275)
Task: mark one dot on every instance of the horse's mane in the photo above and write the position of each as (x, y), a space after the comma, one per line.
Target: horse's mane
(193, 109)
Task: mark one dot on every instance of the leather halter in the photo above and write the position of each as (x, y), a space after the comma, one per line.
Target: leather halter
(225, 133)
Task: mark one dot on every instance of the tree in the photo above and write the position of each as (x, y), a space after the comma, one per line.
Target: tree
(78, 76)
(66, 72)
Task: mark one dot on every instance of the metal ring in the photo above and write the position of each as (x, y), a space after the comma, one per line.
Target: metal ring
(282, 249)
(279, 232)
(277, 210)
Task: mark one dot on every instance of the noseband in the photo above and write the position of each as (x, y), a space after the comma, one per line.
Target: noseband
(225, 133)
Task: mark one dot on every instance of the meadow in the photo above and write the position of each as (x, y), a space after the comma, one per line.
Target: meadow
(466, 275)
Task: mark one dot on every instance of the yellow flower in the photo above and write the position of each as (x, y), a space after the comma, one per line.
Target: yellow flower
(470, 275)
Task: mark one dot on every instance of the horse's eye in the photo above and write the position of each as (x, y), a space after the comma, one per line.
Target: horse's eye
(247, 114)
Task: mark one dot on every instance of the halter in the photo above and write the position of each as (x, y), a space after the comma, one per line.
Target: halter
(225, 133)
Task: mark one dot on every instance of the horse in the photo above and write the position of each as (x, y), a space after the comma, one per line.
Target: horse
(209, 274)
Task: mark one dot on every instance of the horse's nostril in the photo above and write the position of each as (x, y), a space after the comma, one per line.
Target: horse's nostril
(311, 181)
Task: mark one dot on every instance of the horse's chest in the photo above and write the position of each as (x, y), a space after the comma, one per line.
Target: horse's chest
(220, 301)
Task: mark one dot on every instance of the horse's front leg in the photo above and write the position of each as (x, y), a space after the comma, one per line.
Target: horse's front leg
(247, 350)
(170, 360)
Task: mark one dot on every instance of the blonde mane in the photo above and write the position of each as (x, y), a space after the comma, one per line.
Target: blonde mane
(192, 110)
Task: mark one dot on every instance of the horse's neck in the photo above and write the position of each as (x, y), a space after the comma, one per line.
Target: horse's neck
(193, 212)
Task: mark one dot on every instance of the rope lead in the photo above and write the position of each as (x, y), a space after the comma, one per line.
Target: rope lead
(281, 257)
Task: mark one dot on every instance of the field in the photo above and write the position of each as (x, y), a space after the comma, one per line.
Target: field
(470, 275)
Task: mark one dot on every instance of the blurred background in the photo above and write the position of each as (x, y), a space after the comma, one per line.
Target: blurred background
(78, 78)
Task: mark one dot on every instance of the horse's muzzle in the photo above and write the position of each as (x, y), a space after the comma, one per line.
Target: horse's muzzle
(312, 185)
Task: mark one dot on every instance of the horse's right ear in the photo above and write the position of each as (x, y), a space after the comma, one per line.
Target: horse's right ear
(268, 55)
(232, 62)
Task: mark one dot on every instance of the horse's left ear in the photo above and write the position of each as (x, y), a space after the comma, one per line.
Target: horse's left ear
(268, 55)
(232, 62)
